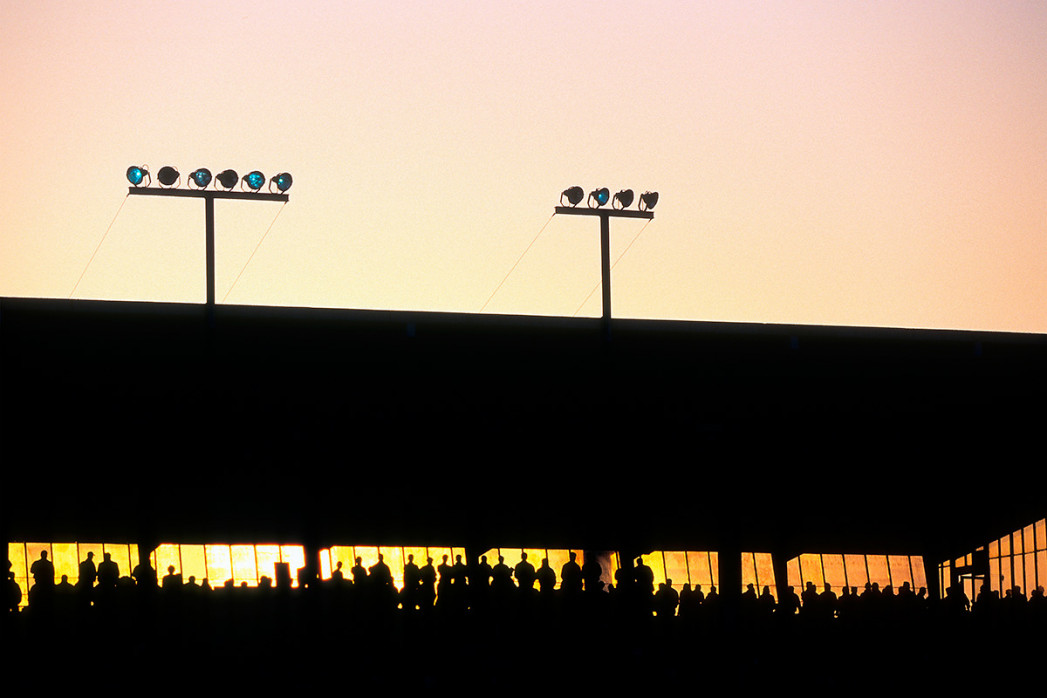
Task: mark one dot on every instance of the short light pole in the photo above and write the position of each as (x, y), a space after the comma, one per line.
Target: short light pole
(601, 197)
(168, 177)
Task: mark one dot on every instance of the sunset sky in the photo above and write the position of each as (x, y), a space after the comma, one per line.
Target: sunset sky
(847, 163)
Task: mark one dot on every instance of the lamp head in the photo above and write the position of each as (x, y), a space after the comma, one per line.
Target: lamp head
(573, 194)
(253, 180)
(168, 176)
(282, 181)
(623, 199)
(137, 175)
(599, 197)
(227, 179)
(648, 200)
(201, 178)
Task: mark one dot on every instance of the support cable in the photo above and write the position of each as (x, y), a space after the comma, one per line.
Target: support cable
(517, 262)
(255, 250)
(99, 246)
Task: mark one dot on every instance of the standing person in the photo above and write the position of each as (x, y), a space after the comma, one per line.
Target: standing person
(87, 571)
(524, 573)
(108, 572)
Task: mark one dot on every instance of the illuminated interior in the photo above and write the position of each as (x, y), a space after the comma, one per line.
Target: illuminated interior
(855, 571)
(246, 564)
(1016, 559)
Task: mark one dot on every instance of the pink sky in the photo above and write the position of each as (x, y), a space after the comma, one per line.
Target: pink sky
(818, 162)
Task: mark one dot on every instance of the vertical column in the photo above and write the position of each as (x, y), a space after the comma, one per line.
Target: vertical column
(209, 244)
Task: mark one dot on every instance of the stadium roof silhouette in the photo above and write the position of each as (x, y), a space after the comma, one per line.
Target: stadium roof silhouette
(148, 421)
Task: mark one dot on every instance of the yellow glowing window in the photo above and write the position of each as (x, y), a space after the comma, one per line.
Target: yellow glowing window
(219, 564)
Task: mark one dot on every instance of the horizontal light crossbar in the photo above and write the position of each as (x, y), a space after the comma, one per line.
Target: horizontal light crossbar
(207, 194)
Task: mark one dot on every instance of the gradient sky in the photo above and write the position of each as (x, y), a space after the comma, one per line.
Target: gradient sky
(851, 163)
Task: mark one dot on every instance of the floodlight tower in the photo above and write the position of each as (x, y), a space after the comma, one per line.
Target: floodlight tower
(250, 185)
(598, 198)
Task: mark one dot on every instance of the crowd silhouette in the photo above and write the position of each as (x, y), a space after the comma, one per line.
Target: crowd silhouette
(496, 611)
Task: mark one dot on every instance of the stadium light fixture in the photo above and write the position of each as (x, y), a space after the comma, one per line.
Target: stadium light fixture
(227, 179)
(253, 180)
(573, 194)
(168, 176)
(198, 181)
(139, 175)
(200, 178)
(648, 200)
(623, 199)
(282, 181)
(599, 198)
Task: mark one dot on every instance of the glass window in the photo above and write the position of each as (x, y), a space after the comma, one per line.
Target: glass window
(167, 555)
(194, 563)
(879, 573)
(749, 572)
(898, 565)
(656, 561)
(919, 572)
(219, 564)
(394, 558)
(793, 574)
(810, 570)
(857, 571)
(266, 557)
(295, 556)
(245, 568)
(765, 573)
(835, 571)
(699, 569)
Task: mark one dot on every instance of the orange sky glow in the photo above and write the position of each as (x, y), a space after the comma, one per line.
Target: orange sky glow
(844, 163)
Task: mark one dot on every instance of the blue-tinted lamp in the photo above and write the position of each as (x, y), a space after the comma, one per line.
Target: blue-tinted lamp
(574, 195)
(599, 197)
(648, 200)
(253, 180)
(168, 176)
(282, 182)
(227, 179)
(201, 178)
(137, 175)
(623, 199)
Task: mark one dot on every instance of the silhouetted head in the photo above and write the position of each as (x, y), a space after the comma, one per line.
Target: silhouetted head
(523, 556)
(410, 558)
(359, 560)
(458, 558)
(338, 566)
(170, 569)
(430, 560)
(43, 554)
(90, 554)
(380, 557)
(572, 555)
(501, 559)
(107, 556)
(483, 559)
(828, 587)
(445, 558)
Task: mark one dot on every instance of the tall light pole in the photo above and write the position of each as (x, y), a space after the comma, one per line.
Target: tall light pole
(169, 177)
(597, 200)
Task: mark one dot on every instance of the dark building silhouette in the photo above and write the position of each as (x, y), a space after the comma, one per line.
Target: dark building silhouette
(152, 422)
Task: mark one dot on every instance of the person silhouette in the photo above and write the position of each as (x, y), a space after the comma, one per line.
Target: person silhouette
(108, 572)
(546, 577)
(524, 573)
(43, 571)
(87, 572)
(571, 575)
